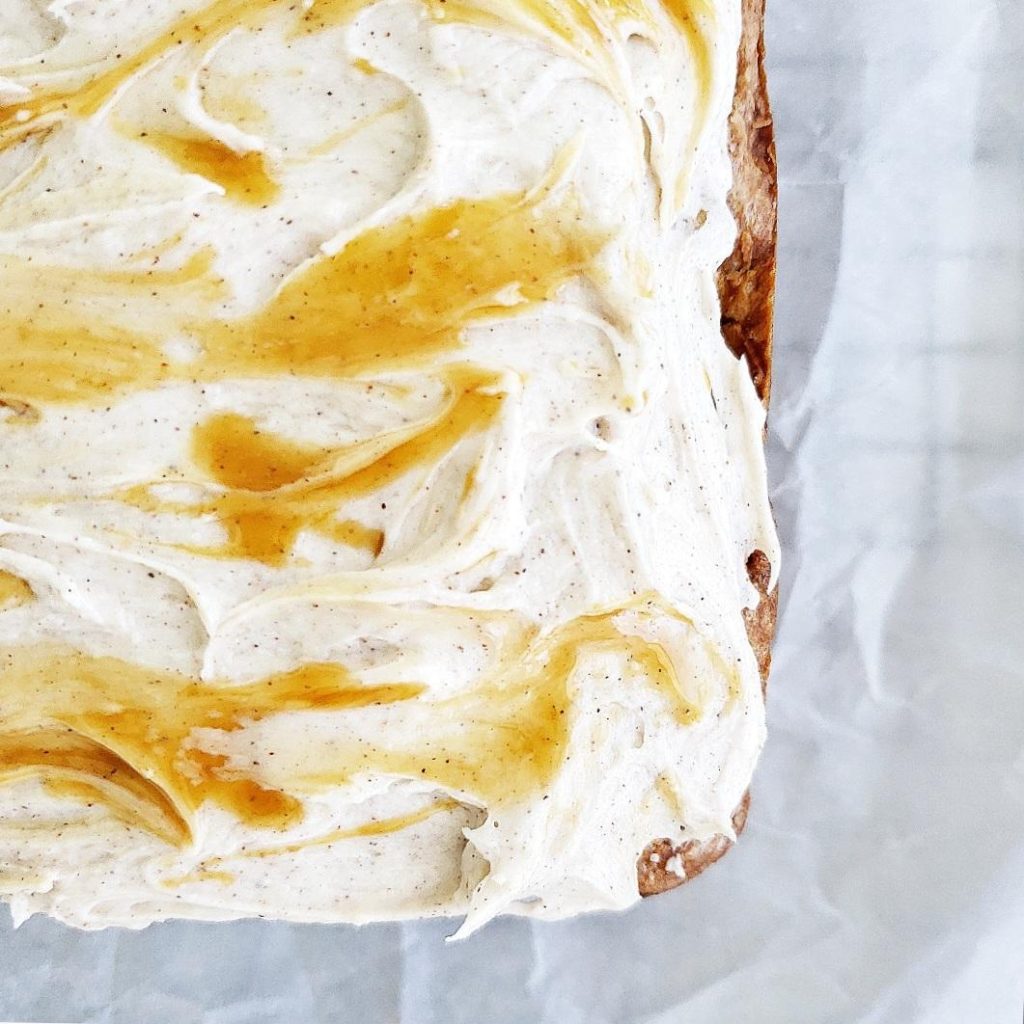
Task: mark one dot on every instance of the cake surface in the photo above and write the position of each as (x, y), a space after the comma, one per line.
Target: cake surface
(377, 491)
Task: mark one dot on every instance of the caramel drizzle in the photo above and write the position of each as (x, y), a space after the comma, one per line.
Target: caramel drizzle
(101, 729)
(505, 740)
(67, 341)
(395, 297)
(244, 177)
(14, 591)
(107, 730)
(276, 488)
(49, 106)
(581, 26)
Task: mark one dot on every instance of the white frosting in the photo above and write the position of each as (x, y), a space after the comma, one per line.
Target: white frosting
(605, 507)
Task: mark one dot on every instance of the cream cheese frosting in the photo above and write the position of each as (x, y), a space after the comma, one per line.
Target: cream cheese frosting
(376, 488)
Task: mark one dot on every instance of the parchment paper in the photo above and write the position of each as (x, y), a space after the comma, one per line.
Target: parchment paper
(881, 878)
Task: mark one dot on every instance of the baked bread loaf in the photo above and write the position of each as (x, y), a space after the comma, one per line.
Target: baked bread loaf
(384, 527)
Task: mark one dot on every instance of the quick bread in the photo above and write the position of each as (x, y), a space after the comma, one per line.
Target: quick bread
(384, 527)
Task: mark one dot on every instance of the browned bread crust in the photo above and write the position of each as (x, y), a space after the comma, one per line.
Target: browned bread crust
(746, 288)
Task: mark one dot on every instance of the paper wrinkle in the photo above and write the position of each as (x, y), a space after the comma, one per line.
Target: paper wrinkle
(878, 880)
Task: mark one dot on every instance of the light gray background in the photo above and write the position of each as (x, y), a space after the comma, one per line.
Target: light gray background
(880, 879)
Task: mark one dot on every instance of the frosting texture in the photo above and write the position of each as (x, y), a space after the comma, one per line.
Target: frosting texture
(376, 487)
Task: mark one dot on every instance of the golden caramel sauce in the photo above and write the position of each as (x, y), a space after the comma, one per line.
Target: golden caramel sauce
(124, 731)
(235, 452)
(328, 14)
(207, 25)
(399, 294)
(394, 297)
(363, 65)
(277, 488)
(243, 176)
(573, 21)
(203, 27)
(333, 316)
(18, 413)
(578, 24)
(104, 730)
(506, 738)
(80, 768)
(14, 591)
(73, 334)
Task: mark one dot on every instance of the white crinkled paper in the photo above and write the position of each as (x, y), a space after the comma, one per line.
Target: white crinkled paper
(879, 879)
